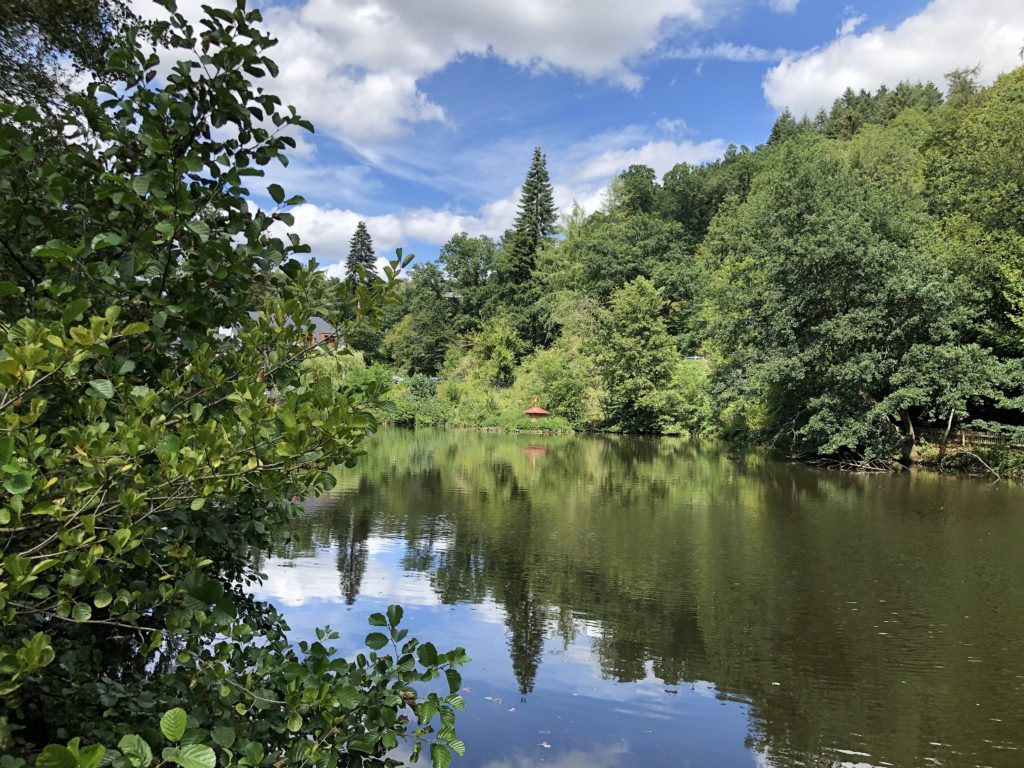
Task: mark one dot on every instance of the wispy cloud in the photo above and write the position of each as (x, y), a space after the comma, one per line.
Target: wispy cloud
(727, 52)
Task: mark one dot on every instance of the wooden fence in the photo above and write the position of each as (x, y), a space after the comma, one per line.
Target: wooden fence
(968, 438)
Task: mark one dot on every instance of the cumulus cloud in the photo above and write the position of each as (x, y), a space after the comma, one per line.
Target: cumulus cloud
(659, 155)
(327, 230)
(945, 35)
(354, 67)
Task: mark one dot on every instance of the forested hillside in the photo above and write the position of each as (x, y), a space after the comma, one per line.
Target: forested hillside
(853, 279)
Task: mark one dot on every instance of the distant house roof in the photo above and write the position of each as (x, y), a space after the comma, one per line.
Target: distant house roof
(536, 411)
(321, 326)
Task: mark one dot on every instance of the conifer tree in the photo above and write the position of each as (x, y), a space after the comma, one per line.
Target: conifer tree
(537, 215)
(535, 221)
(360, 254)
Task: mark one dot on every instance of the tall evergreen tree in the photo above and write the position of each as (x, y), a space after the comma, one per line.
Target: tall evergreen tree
(535, 224)
(536, 218)
(360, 254)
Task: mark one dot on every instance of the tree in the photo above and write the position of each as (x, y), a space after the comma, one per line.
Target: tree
(636, 359)
(419, 341)
(537, 216)
(44, 44)
(534, 226)
(146, 456)
(634, 191)
(359, 267)
(974, 185)
(468, 268)
(498, 347)
(785, 126)
(821, 300)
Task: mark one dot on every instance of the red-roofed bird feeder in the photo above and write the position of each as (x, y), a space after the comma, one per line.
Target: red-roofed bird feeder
(535, 412)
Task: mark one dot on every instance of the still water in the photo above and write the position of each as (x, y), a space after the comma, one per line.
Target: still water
(632, 602)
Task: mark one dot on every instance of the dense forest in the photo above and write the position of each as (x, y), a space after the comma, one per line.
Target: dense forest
(855, 278)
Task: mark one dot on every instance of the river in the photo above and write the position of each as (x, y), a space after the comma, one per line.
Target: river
(662, 602)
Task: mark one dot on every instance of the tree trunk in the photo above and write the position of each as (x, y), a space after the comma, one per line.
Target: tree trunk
(909, 438)
(945, 436)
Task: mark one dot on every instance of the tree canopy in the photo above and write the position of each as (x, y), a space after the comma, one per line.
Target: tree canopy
(832, 292)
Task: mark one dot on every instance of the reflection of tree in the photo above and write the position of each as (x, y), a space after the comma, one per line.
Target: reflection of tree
(772, 581)
(352, 550)
(525, 621)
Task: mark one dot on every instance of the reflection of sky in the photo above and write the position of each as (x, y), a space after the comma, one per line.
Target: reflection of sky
(573, 718)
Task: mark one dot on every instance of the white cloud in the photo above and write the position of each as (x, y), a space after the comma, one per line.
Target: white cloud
(728, 52)
(580, 173)
(850, 25)
(659, 155)
(354, 67)
(327, 230)
(945, 35)
(784, 6)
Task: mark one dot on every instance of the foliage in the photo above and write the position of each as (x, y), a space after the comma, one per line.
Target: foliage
(469, 264)
(418, 341)
(498, 348)
(854, 279)
(636, 360)
(44, 44)
(146, 456)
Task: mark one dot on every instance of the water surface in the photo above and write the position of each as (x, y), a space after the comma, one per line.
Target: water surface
(632, 602)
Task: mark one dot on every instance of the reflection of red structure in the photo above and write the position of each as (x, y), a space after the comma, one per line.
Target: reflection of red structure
(533, 451)
(535, 412)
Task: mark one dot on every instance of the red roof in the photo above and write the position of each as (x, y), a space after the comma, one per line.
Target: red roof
(535, 411)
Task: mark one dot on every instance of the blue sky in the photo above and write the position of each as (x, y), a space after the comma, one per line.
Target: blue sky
(427, 111)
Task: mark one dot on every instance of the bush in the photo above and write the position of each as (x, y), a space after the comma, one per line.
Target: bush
(146, 458)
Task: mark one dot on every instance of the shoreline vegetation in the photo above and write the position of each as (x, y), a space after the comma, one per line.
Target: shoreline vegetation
(834, 294)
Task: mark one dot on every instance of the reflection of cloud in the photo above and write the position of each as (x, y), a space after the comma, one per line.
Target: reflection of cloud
(306, 579)
(296, 582)
(608, 757)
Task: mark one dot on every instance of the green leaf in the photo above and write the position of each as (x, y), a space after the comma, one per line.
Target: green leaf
(18, 483)
(456, 701)
(427, 654)
(56, 756)
(454, 680)
(102, 599)
(141, 184)
(81, 612)
(395, 614)
(91, 757)
(276, 193)
(200, 228)
(375, 641)
(440, 755)
(223, 736)
(458, 746)
(378, 620)
(103, 387)
(348, 698)
(197, 504)
(194, 756)
(74, 310)
(294, 722)
(135, 750)
(134, 328)
(8, 289)
(106, 240)
(172, 724)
